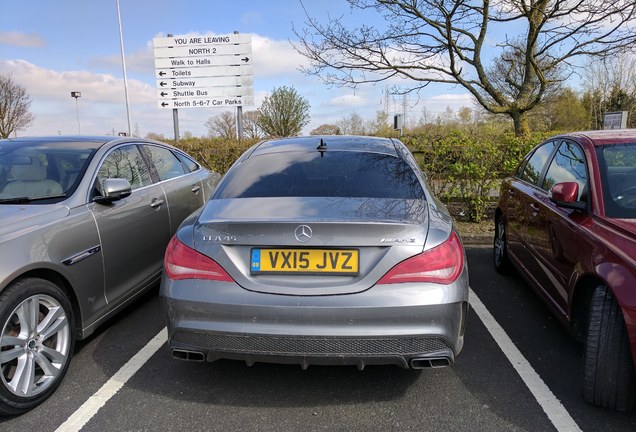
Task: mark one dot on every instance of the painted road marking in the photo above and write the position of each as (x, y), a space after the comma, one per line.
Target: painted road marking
(552, 406)
(84, 413)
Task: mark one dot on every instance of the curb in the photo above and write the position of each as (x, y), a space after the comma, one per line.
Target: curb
(477, 239)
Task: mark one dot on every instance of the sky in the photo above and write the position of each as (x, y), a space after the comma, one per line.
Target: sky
(53, 48)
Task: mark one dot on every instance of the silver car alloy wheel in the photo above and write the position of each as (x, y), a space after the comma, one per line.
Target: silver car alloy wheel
(34, 345)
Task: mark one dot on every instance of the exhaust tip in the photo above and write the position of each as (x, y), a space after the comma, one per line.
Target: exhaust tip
(429, 363)
(186, 355)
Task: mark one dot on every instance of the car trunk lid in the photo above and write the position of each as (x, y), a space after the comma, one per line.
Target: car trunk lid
(333, 231)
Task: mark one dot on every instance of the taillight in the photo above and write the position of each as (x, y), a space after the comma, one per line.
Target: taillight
(443, 264)
(183, 262)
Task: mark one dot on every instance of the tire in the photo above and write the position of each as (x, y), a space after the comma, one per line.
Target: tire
(24, 348)
(608, 371)
(500, 248)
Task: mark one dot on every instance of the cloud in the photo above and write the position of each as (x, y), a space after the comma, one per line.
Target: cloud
(347, 101)
(49, 85)
(101, 106)
(24, 40)
(439, 103)
(276, 57)
(452, 97)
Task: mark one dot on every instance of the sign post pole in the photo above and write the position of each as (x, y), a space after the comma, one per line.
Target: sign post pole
(175, 116)
(175, 122)
(239, 117)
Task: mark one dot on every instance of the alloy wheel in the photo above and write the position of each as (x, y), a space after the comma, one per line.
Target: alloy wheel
(34, 345)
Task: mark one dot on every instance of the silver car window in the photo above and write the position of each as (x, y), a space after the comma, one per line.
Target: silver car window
(165, 162)
(190, 164)
(125, 162)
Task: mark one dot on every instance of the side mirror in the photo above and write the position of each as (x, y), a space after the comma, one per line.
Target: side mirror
(114, 189)
(566, 195)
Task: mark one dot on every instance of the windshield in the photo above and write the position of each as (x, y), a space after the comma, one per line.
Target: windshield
(618, 172)
(40, 173)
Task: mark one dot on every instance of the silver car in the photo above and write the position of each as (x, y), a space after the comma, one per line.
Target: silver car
(319, 250)
(84, 223)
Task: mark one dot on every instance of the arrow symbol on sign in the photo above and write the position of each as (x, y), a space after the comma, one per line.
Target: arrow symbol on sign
(162, 73)
(164, 94)
(162, 84)
(245, 59)
(164, 104)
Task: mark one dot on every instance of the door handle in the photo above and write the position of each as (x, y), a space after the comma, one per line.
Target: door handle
(535, 209)
(156, 203)
(196, 188)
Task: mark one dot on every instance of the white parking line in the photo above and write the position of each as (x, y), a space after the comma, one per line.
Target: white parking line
(84, 413)
(554, 409)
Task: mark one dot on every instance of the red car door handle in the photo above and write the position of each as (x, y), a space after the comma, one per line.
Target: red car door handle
(535, 209)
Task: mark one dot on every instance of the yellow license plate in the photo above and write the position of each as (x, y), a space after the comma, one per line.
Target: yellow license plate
(305, 261)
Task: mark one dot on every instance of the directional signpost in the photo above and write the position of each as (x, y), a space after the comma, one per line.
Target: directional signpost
(204, 71)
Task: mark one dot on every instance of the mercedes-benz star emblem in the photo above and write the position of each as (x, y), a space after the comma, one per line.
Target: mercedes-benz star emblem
(303, 233)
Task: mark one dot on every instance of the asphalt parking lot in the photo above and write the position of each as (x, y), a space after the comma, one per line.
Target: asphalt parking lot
(519, 371)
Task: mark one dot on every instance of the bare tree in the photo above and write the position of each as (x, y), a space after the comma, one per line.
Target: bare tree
(326, 129)
(434, 41)
(353, 124)
(15, 106)
(283, 113)
(251, 129)
(610, 85)
(222, 125)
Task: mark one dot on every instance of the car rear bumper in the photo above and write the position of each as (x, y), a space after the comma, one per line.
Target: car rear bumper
(409, 325)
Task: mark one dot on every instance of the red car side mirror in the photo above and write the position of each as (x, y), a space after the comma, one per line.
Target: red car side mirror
(566, 195)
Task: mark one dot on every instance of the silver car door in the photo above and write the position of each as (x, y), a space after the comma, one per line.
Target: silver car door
(135, 230)
(183, 189)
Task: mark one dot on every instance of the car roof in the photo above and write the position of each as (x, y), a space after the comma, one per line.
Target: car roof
(89, 141)
(332, 143)
(92, 142)
(605, 137)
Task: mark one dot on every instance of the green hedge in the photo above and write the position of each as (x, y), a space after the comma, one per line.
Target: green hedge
(468, 168)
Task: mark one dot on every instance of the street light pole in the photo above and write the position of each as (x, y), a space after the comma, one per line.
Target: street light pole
(123, 64)
(77, 95)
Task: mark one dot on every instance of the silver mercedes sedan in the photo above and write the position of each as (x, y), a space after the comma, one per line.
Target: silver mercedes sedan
(318, 250)
(84, 224)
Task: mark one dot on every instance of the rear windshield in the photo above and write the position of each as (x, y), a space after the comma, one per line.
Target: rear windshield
(618, 173)
(332, 174)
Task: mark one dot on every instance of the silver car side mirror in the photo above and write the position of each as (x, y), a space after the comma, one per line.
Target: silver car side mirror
(114, 189)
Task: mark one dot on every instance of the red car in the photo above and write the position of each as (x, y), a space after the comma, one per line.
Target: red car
(566, 221)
